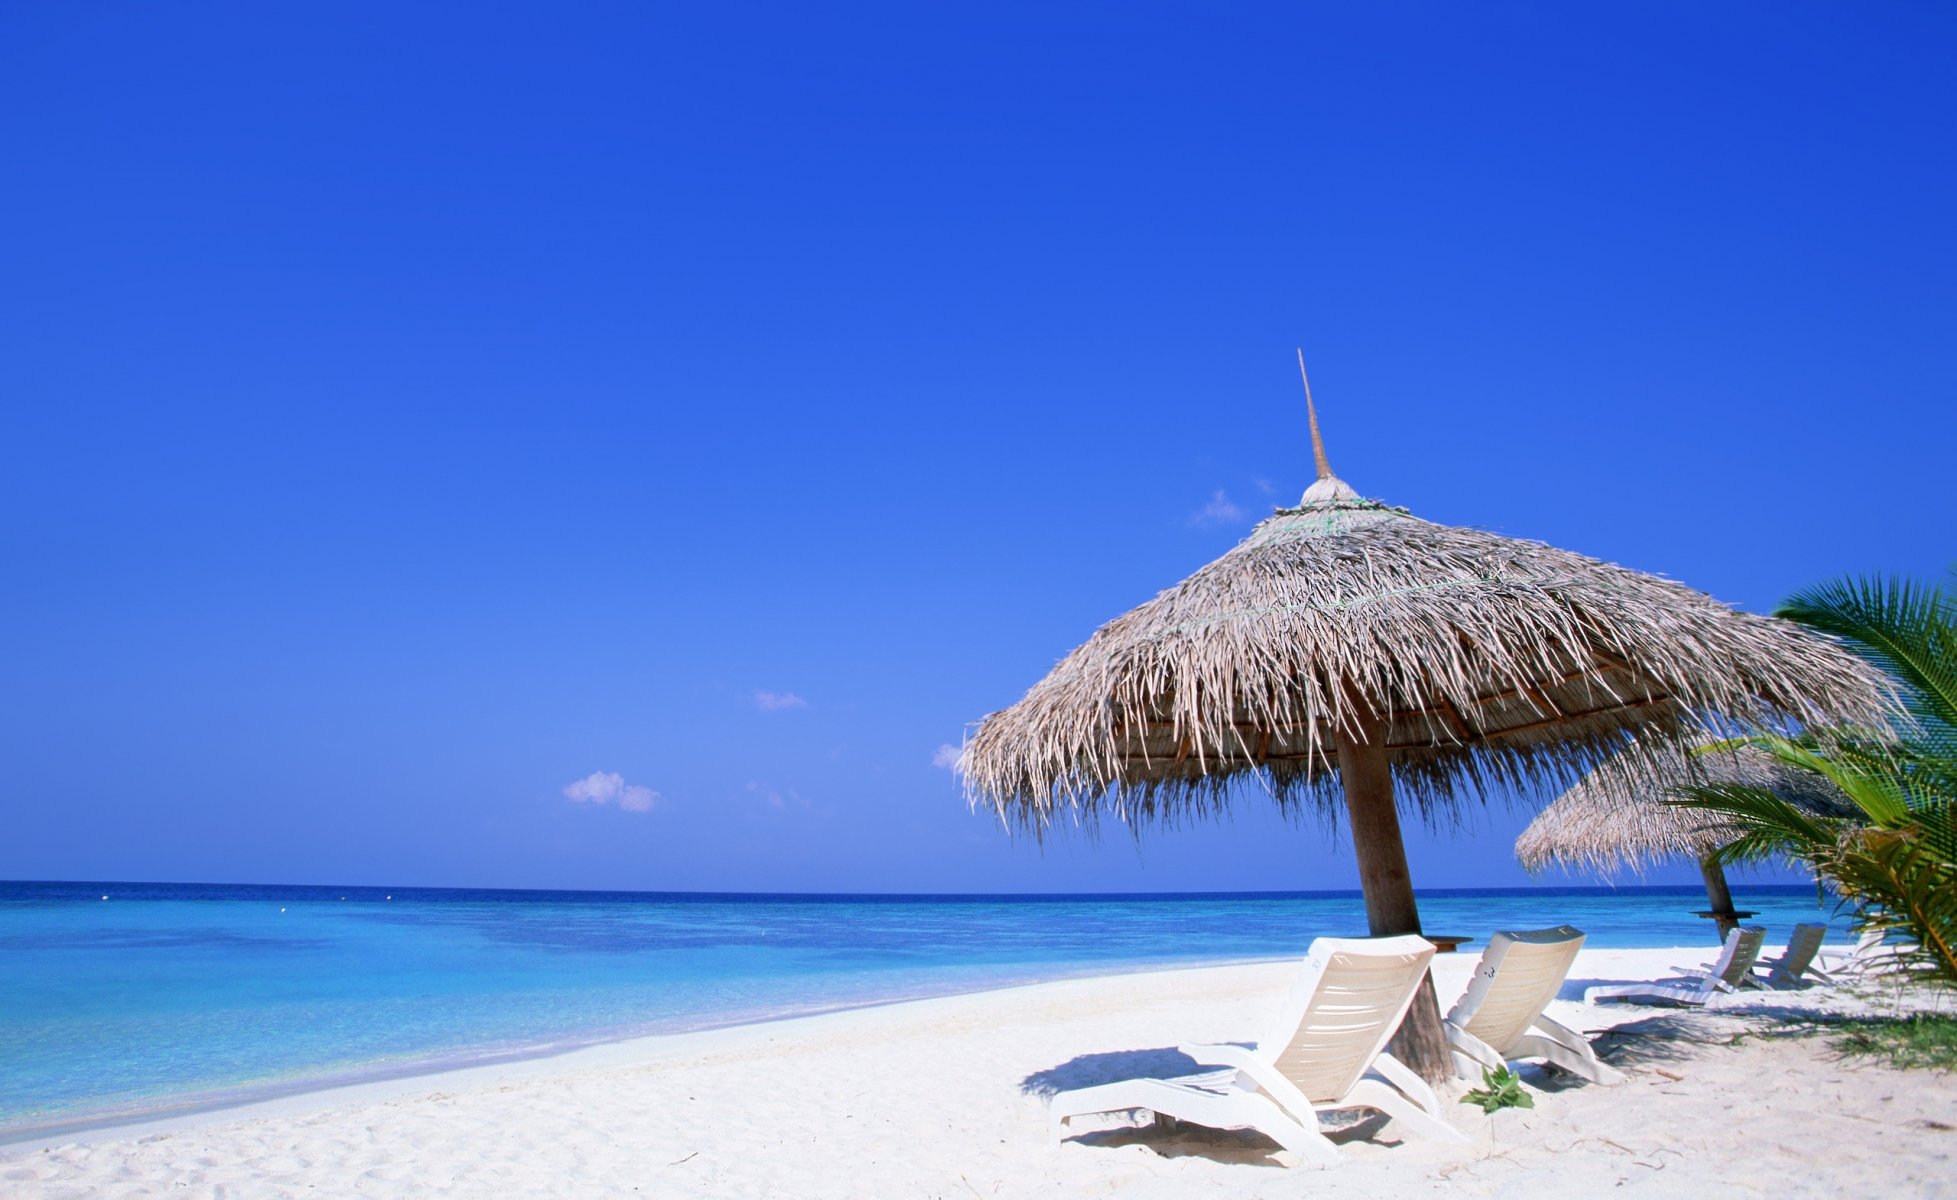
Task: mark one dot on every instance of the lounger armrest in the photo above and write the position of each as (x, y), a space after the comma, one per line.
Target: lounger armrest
(1466, 1044)
(1402, 1077)
(1548, 1027)
(1221, 1056)
(1694, 972)
(1263, 1072)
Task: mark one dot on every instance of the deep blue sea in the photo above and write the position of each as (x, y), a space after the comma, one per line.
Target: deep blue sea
(163, 997)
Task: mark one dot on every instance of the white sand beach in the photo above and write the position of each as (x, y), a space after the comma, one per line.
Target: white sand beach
(944, 1098)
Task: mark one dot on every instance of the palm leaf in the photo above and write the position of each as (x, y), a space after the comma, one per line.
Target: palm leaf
(1862, 771)
(1906, 629)
(1768, 825)
(1896, 860)
(1903, 884)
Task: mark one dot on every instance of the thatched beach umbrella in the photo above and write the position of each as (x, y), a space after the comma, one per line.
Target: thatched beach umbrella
(1617, 817)
(1350, 651)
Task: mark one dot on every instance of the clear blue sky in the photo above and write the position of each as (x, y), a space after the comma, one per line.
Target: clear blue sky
(410, 410)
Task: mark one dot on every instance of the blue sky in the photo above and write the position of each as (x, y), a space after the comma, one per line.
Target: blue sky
(408, 412)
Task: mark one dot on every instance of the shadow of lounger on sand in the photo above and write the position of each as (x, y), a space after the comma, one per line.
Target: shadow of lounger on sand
(1087, 1070)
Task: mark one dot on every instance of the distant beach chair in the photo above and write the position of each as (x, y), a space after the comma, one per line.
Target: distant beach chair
(1871, 956)
(1500, 1016)
(1325, 1054)
(1695, 985)
(1795, 965)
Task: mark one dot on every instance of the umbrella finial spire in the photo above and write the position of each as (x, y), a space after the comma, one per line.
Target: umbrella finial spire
(1329, 488)
(1311, 414)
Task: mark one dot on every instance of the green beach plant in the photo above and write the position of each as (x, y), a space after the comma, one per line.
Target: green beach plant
(1501, 1088)
(1895, 856)
(1924, 1041)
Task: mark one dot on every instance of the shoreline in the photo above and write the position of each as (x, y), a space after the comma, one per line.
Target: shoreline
(333, 995)
(946, 1096)
(183, 1110)
(190, 1109)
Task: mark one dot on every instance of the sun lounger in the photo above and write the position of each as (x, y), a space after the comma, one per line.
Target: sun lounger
(1727, 967)
(1500, 1017)
(1324, 1054)
(1858, 960)
(1795, 966)
(1695, 985)
(1873, 954)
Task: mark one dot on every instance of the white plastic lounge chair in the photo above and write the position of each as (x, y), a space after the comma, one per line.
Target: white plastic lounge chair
(1795, 966)
(1501, 1017)
(1871, 956)
(1695, 985)
(1323, 1055)
(1856, 961)
(1725, 967)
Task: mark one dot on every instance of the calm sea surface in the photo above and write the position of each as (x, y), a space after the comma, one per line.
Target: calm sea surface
(168, 996)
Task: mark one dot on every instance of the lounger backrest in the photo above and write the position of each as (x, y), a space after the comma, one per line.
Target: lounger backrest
(1347, 1002)
(1742, 950)
(1519, 974)
(1802, 946)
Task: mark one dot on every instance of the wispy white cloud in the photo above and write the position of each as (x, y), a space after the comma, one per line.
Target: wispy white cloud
(609, 787)
(778, 701)
(946, 757)
(1219, 511)
(776, 798)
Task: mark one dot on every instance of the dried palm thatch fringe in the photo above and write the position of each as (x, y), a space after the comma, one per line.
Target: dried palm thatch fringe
(1498, 664)
(1616, 816)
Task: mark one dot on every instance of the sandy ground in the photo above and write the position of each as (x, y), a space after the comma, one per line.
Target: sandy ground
(945, 1098)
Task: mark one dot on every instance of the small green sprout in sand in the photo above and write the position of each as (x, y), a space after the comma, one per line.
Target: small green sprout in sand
(1504, 1090)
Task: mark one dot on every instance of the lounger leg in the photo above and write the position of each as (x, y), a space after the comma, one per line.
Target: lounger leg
(1371, 1093)
(1108, 1097)
(1583, 1062)
(1274, 1123)
(1586, 1066)
(1568, 1049)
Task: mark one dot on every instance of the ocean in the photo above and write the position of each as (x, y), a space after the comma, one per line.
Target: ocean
(162, 998)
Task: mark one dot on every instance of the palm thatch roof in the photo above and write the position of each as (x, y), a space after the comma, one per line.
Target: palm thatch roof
(1616, 816)
(1497, 663)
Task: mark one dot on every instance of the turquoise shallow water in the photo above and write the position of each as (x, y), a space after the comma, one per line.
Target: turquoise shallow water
(172, 996)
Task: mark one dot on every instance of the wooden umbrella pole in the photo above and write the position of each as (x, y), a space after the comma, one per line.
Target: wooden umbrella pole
(1390, 907)
(1719, 897)
(1717, 892)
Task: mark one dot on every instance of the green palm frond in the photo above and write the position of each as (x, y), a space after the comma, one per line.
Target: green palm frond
(1894, 853)
(1905, 885)
(1863, 771)
(1768, 826)
(1900, 875)
(1937, 826)
(1906, 629)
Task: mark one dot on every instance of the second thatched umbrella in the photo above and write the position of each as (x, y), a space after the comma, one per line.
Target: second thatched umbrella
(1617, 817)
(1348, 650)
